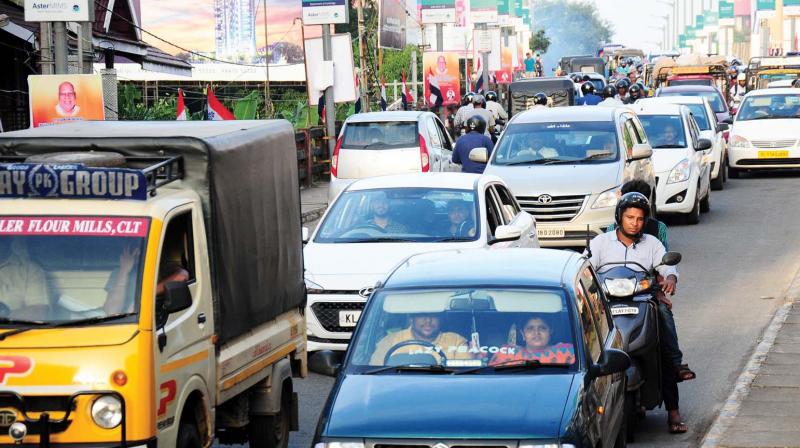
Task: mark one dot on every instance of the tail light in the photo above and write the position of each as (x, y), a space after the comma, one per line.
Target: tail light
(335, 158)
(424, 156)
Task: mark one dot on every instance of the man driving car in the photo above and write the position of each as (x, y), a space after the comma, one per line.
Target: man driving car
(427, 329)
(380, 215)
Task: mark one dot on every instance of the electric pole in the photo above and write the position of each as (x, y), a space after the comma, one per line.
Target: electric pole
(362, 57)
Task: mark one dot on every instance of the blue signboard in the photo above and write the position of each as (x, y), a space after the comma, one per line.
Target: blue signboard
(28, 180)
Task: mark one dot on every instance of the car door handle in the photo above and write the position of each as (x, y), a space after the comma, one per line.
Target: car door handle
(201, 318)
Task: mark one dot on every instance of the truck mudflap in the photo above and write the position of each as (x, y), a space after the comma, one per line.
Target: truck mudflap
(44, 426)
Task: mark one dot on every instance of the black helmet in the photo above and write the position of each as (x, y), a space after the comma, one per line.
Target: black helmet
(796, 83)
(609, 91)
(491, 96)
(476, 123)
(635, 91)
(540, 98)
(576, 78)
(622, 84)
(632, 200)
(587, 88)
(479, 99)
(467, 98)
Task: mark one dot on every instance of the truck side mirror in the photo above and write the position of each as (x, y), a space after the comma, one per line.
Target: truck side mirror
(177, 297)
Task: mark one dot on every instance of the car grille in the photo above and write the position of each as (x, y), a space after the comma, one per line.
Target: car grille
(774, 144)
(792, 161)
(449, 443)
(559, 209)
(327, 314)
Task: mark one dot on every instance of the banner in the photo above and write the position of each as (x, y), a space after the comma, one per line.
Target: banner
(682, 41)
(441, 73)
(392, 25)
(57, 99)
(506, 62)
(321, 74)
(483, 11)
(711, 18)
(726, 14)
(57, 11)
(321, 12)
(70, 181)
(742, 8)
(438, 11)
(791, 7)
(73, 226)
(765, 5)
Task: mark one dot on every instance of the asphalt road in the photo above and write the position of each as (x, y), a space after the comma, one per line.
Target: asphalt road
(737, 264)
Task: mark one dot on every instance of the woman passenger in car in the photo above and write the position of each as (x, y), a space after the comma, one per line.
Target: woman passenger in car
(536, 332)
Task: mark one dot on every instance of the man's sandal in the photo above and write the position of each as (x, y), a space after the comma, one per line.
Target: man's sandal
(677, 427)
(684, 373)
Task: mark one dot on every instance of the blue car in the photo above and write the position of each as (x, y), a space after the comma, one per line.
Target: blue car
(509, 348)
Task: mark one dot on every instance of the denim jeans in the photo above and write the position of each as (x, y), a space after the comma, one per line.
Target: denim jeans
(669, 334)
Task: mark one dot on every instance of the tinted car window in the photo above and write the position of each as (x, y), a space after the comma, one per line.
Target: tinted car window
(568, 142)
(713, 97)
(380, 135)
(665, 131)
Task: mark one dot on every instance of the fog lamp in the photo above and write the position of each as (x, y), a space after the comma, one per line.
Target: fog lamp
(17, 431)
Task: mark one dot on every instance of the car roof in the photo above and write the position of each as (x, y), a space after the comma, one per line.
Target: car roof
(775, 91)
(458, 181)
(689, 88)
(674, 100)
(400, 115)
(568, 114)
(645, 108)
(473, 267)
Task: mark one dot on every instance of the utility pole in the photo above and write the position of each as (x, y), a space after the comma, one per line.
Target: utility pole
(414, 74)
(362, 76)
(60, 32)
(267, 95)
(46, 44)
(330, 105)
(484, 61)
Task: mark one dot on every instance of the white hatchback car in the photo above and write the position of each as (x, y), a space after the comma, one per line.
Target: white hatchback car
(375, 223)
(766, 131)
(683, 173)
(394, 142)
(706, 120)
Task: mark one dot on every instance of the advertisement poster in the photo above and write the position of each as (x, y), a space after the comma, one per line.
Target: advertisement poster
(791, 7)
(57, 99)
(506, 60)
(339, 75)
(438, 11)
(442, 78)
(320, 12)
(483, 11)
(392, 33)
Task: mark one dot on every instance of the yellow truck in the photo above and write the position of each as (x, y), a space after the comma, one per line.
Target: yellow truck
(151, 284)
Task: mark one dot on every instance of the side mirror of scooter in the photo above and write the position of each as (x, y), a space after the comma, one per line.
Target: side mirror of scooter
(612, 361)
(671, 258)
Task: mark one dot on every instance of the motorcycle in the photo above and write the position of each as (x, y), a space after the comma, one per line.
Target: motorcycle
(498, 129)
(632, 291)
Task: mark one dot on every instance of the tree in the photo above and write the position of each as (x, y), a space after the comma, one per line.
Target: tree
(572, 27)
(539, 42)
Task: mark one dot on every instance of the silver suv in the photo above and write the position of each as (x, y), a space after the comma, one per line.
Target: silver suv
(566, 166)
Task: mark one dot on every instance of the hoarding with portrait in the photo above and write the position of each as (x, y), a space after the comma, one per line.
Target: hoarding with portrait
(57, 99)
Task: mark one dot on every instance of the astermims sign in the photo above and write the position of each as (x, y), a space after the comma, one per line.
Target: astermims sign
(57, 11)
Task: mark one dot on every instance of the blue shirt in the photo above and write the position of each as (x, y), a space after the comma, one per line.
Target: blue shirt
(590, 100)
(467, 143)
(529, 64)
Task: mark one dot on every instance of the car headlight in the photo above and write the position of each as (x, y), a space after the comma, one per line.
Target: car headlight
(620, 287)
(607, 198)
(340, 444)
(107, 412)
(313, 287)
(738, 142)
(680, 173)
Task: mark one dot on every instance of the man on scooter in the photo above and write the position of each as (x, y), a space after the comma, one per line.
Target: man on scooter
(629, 242)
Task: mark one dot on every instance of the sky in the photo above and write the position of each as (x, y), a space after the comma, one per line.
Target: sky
(635, 21)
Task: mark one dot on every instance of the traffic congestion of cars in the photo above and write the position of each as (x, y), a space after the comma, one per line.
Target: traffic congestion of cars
(433, 292)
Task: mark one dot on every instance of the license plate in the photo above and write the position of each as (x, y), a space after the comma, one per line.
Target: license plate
(622, 310)
(550, 233)
(348, 318)
(773, 154)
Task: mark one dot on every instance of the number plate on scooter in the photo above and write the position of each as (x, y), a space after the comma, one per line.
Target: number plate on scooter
(622, 310)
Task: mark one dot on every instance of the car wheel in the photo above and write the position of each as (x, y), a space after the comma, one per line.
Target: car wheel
(718, 183)
(630, 418)
(705, 204)
(724, 169)
(694, 216)
(734, 173)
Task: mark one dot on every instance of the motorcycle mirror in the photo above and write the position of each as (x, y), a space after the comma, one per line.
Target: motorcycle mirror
(671, 258)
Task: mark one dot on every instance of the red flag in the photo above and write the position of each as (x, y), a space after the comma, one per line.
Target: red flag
(406, 94)
(180, 113)
(216, 111)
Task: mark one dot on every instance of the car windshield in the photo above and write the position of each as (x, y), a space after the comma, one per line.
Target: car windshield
(464, 328)
(700, 117)
(402, 215)
(57, 270)
(769, 106)
(664, 131)
(561, 142)
(380, 135)
(713, 97)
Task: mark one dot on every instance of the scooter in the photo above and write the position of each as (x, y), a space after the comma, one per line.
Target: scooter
(631, 291)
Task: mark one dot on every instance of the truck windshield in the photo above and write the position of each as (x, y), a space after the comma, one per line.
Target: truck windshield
(562, 142)
(61, 269)
(464, 328)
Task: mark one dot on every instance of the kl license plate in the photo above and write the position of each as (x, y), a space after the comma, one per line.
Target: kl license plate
(773, 154)
(348, 318)
(622, 310)
(550, 233)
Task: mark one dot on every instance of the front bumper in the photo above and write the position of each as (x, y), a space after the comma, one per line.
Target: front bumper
(323, 327)
(578, 231)
(754, 158)
(676, 197)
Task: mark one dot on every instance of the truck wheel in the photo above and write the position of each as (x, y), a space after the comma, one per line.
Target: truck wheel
(188, 435)
(270, 431)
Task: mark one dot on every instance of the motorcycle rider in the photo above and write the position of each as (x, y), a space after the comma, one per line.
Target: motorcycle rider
(475, 138)
(739, 90)
(463, 112)
(539, 100)
(610, 96)
(479, 108)
(589, 97)
(495, 107)
(622, 90)
(629, 242)
(634, 93)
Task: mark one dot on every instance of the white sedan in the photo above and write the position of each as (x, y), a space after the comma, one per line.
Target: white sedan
(377, 222)
(766, 131)
(683, 173)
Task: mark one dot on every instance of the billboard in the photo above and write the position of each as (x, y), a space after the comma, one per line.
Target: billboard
(483, 11)
(321, 74)
(57, 99)
(504, 75)
(57, 11)
(321, 12)
(438, 11)
(392, 28)
(441, 71)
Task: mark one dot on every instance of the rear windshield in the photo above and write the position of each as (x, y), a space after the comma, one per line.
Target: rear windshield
(713, 97)
(664, 131)
(380, 135)
(691, 82)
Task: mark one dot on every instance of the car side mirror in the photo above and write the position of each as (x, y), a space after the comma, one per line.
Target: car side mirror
(611, 361)
(177, 297)
(325, 362)
(479, 155)
(722, 127)
(306, 235)
(641, 151)
(703, 144)
(728, 120)
(506, 233)
(671, 258)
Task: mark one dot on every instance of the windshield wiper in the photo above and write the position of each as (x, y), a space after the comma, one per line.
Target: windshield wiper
(384, 239)
(597, 156)
(527, 364)
(451, 239)
(668, 146)
(68, 323)
(437, 368)
(545, 161)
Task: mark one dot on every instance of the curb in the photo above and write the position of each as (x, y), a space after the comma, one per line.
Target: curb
(313, 214)
(741, 388)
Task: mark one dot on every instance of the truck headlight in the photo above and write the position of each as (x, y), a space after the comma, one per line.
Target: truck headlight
(607, 198)
(340, 444)
(738, 142)
(107, 412)
(680, 173)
